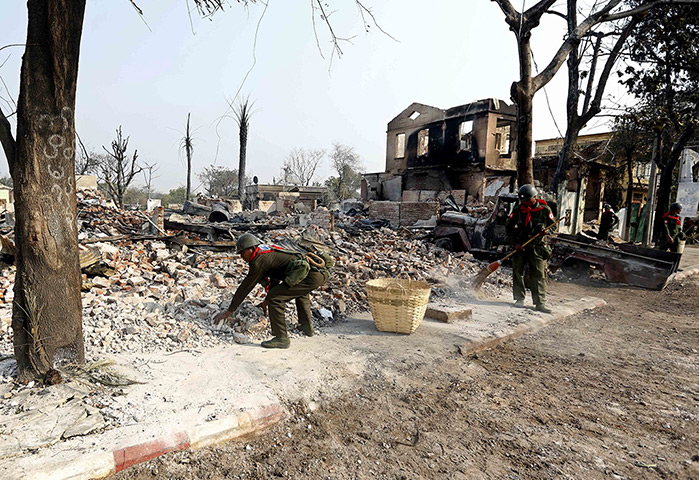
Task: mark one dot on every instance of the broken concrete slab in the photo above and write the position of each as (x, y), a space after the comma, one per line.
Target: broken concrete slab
(448, 313)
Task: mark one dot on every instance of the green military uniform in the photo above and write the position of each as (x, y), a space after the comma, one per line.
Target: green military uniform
(671, 227)
(270, 269)
(524, 223)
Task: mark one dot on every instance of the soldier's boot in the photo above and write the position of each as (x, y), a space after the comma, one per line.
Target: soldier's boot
(277, 342)
(307, 329)
(542, 307)
(519, 303)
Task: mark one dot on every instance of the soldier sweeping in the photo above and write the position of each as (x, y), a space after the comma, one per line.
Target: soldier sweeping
(288, 276)
(529, 218)
(671, 230)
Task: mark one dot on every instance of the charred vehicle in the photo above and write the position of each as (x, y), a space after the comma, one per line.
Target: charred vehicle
(621, 263)
(484, 236)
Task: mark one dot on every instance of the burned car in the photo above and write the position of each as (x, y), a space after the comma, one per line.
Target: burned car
(481, 236)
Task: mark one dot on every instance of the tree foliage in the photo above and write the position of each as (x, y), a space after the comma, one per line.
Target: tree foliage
(663, 73)
(348, 168)
(219, 181)
(174, 196)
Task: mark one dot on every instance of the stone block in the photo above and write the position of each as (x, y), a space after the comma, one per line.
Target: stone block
(448, 313)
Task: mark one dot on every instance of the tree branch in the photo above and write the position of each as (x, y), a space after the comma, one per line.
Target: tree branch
(571, 42)
(9, 144)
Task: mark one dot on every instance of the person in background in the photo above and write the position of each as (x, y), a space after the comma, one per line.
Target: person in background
(607, 223)
(671, 230)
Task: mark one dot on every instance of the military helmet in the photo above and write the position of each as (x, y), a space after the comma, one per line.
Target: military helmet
(246, 240)
(676, 206)
(607, 206)
(526, 192)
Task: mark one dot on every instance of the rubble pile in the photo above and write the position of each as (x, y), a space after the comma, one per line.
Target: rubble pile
(162, 295)
(97, 218)
(164, 299)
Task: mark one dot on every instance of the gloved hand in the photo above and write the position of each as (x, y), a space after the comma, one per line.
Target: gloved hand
(519, 247)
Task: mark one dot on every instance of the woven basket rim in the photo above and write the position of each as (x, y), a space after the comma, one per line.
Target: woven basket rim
(382, 283)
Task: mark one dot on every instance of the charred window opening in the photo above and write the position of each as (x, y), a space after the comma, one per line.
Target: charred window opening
(414, 115)
(423, 141)
(400, 145)
(466, 135)
(502, 139)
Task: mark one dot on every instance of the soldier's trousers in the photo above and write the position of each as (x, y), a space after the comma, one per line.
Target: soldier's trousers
(282, 293)
(537, 276)
(664, 245)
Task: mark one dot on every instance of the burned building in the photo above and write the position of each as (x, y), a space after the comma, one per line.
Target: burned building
(582, 192)
(465, 150)
(284, 198)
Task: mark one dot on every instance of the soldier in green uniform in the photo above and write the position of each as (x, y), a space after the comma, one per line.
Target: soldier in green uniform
(288, 277)
(671, 230)
(530, 217)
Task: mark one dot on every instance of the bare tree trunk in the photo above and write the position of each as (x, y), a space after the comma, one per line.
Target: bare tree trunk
(47, 310)
(523, 95)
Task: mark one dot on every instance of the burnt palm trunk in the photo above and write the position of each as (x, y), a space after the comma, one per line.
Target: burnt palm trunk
(241, 162)
(188, 151)
(47, 310)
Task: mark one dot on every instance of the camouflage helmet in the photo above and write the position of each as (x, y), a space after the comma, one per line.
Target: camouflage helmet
(246, 240)
(526, 192)
(676, 206)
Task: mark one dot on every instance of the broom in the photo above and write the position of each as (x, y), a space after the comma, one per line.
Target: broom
(483, 274)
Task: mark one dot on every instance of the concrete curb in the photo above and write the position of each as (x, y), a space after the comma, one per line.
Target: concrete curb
(559, 313)
(685, 273)
(209, 434)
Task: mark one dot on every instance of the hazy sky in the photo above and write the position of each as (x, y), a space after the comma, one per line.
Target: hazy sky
(446, 53)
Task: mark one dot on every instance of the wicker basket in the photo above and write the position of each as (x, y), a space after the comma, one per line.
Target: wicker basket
(398, 305)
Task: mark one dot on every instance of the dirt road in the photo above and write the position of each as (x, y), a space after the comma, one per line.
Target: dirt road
(612, 393)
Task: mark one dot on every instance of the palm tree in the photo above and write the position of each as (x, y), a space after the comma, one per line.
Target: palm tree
(243, 111)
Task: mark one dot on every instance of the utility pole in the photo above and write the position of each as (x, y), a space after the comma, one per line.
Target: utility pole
(650, 203)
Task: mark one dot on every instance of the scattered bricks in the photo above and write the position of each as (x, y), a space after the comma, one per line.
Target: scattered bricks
(101, 282)
(136, 281)
(218, 280)
(448, 313)
(383, 210)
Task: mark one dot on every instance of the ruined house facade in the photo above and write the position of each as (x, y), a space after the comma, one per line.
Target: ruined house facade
(466, 151)
(283, 198)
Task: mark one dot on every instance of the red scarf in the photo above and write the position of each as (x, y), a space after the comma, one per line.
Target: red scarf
(676, 219)
(259, 250)
(527, 210)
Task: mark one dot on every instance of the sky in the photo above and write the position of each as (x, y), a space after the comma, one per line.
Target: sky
(146, 75)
